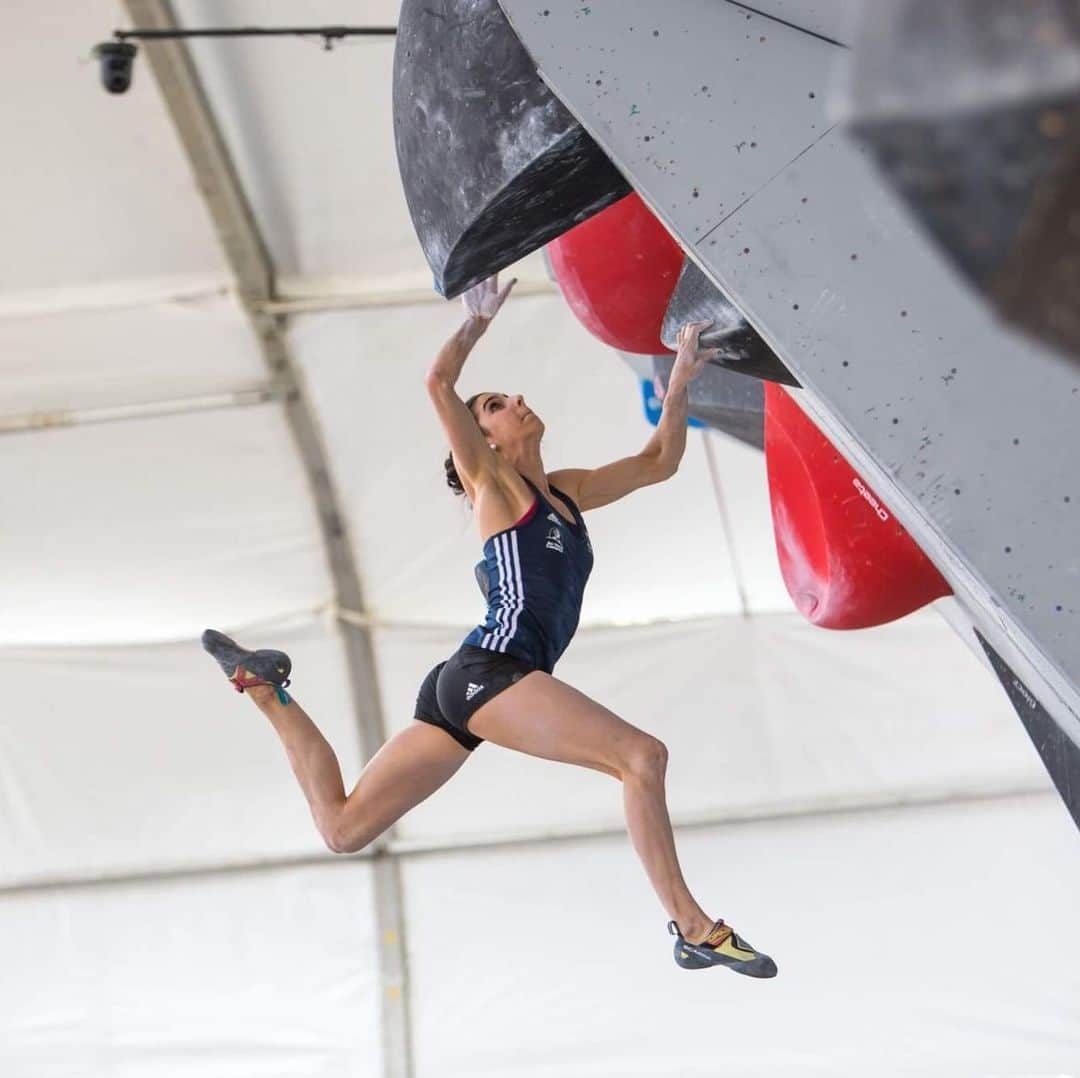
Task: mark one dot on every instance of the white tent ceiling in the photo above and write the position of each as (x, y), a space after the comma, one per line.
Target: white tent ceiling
(153, 487)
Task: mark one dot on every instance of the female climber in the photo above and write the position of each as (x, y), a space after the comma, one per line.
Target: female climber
(498, 686)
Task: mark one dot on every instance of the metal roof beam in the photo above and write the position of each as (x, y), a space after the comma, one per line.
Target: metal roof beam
(249, 259)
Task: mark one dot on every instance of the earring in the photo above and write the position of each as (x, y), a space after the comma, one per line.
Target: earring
(492, 445)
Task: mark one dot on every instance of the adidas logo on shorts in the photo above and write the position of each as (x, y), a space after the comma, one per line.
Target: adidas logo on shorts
(472, 690)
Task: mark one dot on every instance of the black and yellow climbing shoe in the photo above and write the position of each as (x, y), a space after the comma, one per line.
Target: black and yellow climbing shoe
(248, 668)
(721, 947)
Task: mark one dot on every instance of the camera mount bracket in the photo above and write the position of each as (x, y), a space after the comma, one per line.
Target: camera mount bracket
(118, 55)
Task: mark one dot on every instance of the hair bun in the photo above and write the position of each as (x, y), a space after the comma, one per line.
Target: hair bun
(453, 480)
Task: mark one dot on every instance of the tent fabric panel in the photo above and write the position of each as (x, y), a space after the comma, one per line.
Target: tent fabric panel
(166, 350)
(744, 501)
(315, 187)
(151, 529)
(95, 185)
(143, 759)
(921, 941)
(242, 975)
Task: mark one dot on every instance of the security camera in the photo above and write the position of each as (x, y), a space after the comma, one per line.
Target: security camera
(117, 59)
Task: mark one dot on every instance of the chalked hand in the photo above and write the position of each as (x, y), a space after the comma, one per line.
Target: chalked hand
(691, 358)
(483, 300)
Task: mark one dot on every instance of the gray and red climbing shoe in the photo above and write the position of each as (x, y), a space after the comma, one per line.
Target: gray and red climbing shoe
(246, 669)
(721, 947)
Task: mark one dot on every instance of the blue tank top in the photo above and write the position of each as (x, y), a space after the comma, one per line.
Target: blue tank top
(534, 576)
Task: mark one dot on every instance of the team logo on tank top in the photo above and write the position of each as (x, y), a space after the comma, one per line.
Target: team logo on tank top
(554, 540)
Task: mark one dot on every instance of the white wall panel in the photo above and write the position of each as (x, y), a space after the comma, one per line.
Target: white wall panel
(151, 529)
(124, 355)
(836, 19)
(930, 942)
(244, 976)
(94, 185)
(761, 715)
(143, 759)
(660, 553)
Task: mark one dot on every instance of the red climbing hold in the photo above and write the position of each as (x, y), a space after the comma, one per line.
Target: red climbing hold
(846, 561)
(617, 271)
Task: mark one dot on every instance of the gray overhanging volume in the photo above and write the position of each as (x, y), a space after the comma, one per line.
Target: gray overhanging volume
(970, 434)
(492, 164)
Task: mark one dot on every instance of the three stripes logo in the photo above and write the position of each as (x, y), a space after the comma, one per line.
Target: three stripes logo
(511, 587)
(471, 690)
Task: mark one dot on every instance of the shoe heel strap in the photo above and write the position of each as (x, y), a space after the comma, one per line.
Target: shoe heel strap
(249, 680)
(243, 678)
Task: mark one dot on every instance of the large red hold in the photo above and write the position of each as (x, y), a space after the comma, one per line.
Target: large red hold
(846, 561)
(617, 271)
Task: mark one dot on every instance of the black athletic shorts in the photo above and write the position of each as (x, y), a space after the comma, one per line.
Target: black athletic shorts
(455, 689)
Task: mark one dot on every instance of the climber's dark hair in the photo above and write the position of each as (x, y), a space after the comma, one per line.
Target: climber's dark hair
(453, 480)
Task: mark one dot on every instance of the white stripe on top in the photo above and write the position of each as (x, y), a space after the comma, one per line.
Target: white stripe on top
(519, 584)
(508, 594)
(511, 593)
(496, 634)
(511, 587)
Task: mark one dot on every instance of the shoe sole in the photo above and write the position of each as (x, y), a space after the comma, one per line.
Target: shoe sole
(688, 956)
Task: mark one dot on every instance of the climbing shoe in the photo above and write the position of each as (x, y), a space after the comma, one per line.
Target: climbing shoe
(248, 668)
(721, 947)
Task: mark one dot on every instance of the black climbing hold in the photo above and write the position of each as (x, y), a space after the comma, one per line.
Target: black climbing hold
(743, 351)
(492, 163)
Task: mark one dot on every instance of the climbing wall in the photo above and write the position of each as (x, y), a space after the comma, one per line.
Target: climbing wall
(968, 431)
(962, 431)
